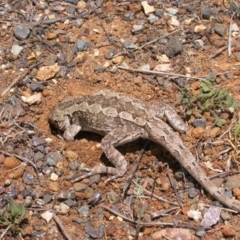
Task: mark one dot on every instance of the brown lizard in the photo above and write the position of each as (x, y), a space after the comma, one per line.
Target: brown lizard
(120, 120)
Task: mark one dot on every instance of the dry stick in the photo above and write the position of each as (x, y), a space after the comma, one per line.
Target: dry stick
(160, 73)
(59, 223)
(157, 197)
(22, 159)
(150, 224)
(155, 40)
(229, 36)
(134, 169)
(162, 212)
(174, 187)
(11, 85)
(5, 231)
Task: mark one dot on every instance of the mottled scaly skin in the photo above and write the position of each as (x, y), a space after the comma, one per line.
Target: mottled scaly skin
(120, 120)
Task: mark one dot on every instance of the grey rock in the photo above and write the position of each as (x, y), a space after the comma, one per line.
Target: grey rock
(124, 64)
(93, 233)
(28, 178)
(238, 56)
(220, 29)
(78, 23)
(159, 13)
(94, 179)
(37, 193)
(172, 11)
(27, 192)
(40, 164)
(181, 82)
(199, 122)
(129, 16)
(70, 10)
(190, 8)
(38, 156)
(21, 32)
(174, 47)
(198, 44)
(137, 28)
(206, 13)
(50, 60)
(47, 198)
(39, 201)
(36, 141)
(82, 45)
(110, 53)
(58, 172)
(193, 192)
(99, 69)
(72, 1)
(114, 69)
(178, 176)
(152, 18)
(128, 44)
(233, 182)
(28, 201)
(53, 158)
(16, 49)
(82, 220)
(79, 187)
(63, 195)
(84, 211)
(113, 197)
(35, 86)
(47, 170)
(200, 233)
(74, 165)
(70, 203)
(97, 197)
(145, 67)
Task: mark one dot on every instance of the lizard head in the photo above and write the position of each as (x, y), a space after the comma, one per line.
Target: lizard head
(58, 120)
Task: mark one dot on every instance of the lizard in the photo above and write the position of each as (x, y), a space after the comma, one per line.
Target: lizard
(120, 120)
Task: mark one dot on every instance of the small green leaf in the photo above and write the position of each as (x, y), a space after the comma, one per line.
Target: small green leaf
(219, 122)
(236, 132)
(206, 86)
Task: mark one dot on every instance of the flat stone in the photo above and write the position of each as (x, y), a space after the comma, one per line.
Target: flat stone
(21, 32)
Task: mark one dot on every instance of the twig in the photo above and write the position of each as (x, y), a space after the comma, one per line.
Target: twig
(229, 36)
(155, 40)
(59, 223)
(174, 187)
(11, 85)
(157, 197)
(4, 232)
(150, 224)
(134, 169)
(159, 73)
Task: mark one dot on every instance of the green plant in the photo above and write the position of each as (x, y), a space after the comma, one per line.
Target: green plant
(209, 99)
(13, 216)
(236, 132)
(234, 6)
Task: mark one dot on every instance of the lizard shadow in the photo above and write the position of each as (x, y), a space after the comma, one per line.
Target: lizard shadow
(153, 156)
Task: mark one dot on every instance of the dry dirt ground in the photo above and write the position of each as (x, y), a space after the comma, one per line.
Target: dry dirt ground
(59, 209)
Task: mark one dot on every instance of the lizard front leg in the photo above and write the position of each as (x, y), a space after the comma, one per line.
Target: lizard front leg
(160, 109)
(71, 131)
(109, 143)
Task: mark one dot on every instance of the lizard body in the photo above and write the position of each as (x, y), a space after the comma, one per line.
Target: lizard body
(120, 120)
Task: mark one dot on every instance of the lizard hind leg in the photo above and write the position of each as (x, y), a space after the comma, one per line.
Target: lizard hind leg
(160, 109)
(113, 139)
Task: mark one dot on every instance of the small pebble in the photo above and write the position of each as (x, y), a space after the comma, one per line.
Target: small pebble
(28, 178)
